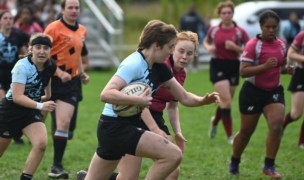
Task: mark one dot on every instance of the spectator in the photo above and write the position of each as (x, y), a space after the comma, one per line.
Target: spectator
(292, 28)
(192, 21)
(12, 44)
(26, 22)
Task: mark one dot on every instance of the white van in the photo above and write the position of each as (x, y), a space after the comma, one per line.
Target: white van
(246, 15)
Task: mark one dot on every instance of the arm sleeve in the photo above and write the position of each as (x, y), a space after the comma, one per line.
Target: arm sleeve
(19, 74)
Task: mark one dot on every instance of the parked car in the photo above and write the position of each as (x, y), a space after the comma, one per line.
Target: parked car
(247, 14)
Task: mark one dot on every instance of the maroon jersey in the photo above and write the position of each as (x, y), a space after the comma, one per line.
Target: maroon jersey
(219, 36)
(258, 52)
(298, 45)
(163, 95)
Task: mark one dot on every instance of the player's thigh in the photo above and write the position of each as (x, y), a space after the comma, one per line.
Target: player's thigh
(37, 134)
(64, 112)
(274, 114)
(154, 146)
(297, 101)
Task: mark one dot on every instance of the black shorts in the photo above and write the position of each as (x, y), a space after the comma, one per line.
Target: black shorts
(67, 92)
(5, 79)
(252, 100)
(297, 81)
(225, 70)
(158, 117)
(14, 118)
(117, 137)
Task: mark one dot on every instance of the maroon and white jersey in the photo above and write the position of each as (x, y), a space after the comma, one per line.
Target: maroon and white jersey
(298, 45)
(218, 36)
(258, 52)
(163, 95)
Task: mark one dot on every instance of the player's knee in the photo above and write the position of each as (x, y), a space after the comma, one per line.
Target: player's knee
(296, 115)
(40, 145)
(175, 156)
(245, 134)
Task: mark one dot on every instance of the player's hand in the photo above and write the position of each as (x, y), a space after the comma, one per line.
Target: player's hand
(65, 77)
(146, 98)
(288, 69)
(159, 132)
(212, 49)
(213, 97)
(49, 106)
(84, 78)
(271, 63)
(180, 141)
(230, 45)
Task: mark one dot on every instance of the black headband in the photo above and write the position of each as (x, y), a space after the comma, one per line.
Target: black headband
(42, 40)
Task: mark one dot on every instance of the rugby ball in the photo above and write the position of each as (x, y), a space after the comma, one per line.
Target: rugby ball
(133, 89)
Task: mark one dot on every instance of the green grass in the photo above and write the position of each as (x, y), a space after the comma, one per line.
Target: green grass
(204, 159)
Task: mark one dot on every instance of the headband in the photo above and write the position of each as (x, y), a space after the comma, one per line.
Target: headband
(42, 40)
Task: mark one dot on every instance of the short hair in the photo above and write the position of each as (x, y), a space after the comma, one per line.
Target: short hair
(63, 3)
(268, 14)
(156, 31)
(189, 36)
(221, 5)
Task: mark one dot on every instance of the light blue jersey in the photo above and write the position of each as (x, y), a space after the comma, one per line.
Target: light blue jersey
(25, 72)
(135, 69)
(132, 69)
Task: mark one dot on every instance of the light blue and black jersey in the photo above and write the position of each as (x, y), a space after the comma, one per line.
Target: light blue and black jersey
(25, 72)
(135, 69)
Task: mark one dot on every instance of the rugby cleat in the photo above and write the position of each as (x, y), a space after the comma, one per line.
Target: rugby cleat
(271, 172)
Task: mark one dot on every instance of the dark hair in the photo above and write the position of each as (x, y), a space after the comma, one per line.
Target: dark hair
(63, 3)
(268, 14)
(156, 31)
(3, 12)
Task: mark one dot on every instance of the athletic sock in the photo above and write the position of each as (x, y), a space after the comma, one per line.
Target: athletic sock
(217, 116)
(235, 161)
(113, 176)
(287, 120)
(60, 141)
(227, 121)
(301, 137)
(25, 176)
(269, 162)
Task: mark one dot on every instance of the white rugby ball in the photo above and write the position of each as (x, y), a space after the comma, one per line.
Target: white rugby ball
(133, 89)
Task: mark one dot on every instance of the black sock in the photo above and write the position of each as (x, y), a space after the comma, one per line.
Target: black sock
(113, 176)
(235, 161)
(269, 162)
(59, 148)
(25, 176)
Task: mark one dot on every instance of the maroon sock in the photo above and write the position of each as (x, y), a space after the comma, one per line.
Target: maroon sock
(227, 121)
(301, 138)
(287, 120)
(217, 116)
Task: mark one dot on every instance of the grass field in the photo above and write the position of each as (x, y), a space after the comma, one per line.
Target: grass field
(204, 159)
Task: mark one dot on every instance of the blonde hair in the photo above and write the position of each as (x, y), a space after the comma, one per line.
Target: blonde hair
(189, 36)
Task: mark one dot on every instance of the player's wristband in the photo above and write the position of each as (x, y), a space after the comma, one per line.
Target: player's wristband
(39, 106)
